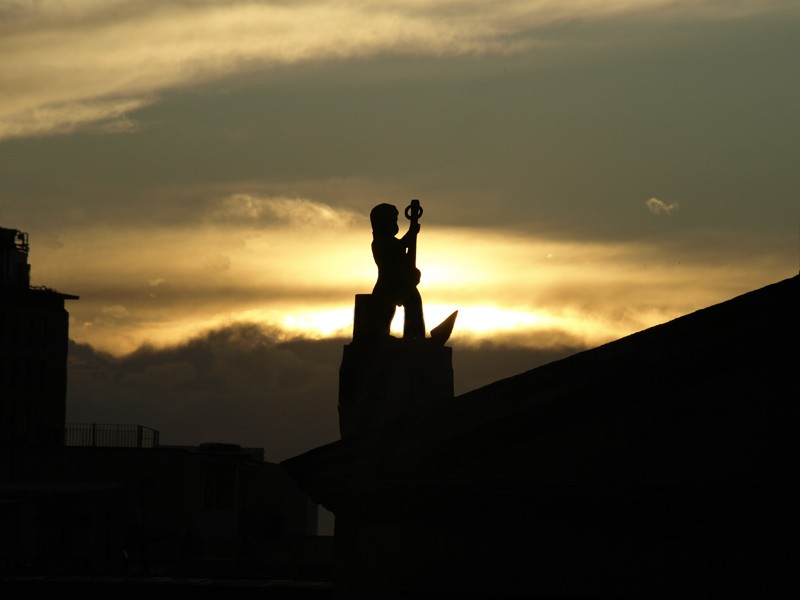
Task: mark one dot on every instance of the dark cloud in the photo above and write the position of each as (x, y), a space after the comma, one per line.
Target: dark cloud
(481, 364)
(244, 384)
(239, 384)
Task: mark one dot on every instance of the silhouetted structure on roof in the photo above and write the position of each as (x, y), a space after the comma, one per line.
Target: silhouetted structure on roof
(33, 351)
(383, 378)
(661, 465)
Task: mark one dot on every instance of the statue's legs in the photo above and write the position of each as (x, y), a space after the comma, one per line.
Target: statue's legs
(384, 314)
(414, 325)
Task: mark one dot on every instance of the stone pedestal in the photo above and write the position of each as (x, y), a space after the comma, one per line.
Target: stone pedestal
(383, 378)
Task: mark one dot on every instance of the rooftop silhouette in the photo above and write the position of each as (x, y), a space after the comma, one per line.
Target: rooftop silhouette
(587, 468)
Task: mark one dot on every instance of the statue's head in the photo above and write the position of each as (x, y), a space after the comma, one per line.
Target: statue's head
(384, 219)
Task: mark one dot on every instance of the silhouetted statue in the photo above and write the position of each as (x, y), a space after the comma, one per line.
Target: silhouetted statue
(383, 378)
(398, 275)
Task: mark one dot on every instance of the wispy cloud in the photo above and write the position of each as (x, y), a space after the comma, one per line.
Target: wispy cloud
(68, 65)
(297, 212)
(659, 207)
(117, 311)
(109, 115)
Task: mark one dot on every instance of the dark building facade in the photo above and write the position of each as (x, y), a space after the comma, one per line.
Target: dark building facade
(199, 511)
(33, 351)
(109, 499)
(661, 465)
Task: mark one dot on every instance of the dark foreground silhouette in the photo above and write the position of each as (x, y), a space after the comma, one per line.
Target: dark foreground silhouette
(107, 508)
(662, 465)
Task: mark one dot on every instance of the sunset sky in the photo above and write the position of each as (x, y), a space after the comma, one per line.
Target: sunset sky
(200, 173)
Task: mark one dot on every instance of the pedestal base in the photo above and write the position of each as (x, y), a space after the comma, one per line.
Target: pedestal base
(387, 379)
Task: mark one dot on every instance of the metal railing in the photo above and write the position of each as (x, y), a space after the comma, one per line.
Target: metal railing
(97, 435)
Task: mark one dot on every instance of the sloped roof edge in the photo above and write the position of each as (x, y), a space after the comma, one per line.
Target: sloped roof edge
(750, 336)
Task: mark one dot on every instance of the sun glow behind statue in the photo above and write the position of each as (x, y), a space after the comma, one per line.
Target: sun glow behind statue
(294, 266)
(475, 323)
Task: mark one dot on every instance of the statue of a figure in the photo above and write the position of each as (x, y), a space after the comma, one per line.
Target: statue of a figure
(383, 379)
(398, 275)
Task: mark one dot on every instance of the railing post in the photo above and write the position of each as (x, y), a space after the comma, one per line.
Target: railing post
(117, 435)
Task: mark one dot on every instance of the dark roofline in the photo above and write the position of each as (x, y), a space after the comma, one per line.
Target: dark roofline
(40, 291)
(759, 328)
(45, 290)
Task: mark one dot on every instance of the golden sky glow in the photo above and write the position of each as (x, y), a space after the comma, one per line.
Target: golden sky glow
(182, 166)
(200, 173)
(300, 272)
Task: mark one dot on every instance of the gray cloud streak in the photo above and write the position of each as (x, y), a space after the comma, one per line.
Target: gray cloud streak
(95, 62)
(242, 384)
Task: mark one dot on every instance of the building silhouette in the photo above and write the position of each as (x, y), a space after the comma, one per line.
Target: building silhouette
(111, 499)
(33, 351)
(661, 465)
